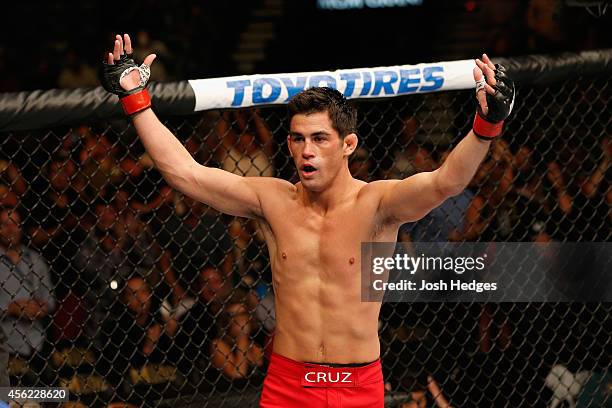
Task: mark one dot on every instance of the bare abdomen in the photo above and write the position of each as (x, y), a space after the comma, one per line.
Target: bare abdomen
(329, 324)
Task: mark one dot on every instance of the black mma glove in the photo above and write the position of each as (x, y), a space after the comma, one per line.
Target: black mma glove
(489, 126)
(134, 100)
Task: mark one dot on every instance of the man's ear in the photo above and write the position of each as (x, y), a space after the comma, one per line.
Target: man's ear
(350, 144)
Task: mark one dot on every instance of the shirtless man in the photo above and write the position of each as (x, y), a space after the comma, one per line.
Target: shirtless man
(326, 347)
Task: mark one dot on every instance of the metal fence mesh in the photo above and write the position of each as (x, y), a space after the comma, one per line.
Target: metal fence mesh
(125, 290)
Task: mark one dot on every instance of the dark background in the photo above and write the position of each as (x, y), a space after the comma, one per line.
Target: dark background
(40, 40)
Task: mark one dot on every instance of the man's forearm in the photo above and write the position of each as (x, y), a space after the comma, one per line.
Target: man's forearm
(461, 164)
(167, 152)
(495, 96)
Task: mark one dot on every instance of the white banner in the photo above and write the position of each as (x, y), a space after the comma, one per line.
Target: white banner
(381, 82)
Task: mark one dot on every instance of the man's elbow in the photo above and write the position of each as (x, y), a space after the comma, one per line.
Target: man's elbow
(180, 178)
(448, 189)
(446, 185)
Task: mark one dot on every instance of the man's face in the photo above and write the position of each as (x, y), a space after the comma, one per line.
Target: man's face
(10, 228)
(212, 284)
(317, 149)
(137, 296)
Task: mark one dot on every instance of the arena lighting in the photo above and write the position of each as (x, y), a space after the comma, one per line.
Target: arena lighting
(365, 4)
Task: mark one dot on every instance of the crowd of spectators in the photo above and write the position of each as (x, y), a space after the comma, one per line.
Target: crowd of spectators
(121, 282)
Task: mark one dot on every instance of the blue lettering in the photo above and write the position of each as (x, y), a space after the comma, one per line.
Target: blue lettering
(317, 80)
(429, 76)
(406, 81)
(238, 90)
(350, 78)
(258, 86)
(384, 80)
(292, 88)
(367, 83)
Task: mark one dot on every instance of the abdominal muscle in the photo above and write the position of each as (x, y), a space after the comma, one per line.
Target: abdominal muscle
(320, 317)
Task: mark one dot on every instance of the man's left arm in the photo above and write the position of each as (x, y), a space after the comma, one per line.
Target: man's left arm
(411, 199)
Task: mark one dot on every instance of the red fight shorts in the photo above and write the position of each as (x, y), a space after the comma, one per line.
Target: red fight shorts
(290, 384)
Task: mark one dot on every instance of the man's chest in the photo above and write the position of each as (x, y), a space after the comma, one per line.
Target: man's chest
(332, 239)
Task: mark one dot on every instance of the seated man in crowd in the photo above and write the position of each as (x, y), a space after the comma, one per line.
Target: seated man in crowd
(190, 236)
(234, 352)
(101, 259)
(25, 298)
(193, 327)
(136, 349)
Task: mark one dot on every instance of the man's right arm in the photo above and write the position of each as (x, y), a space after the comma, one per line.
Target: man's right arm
(222, 190)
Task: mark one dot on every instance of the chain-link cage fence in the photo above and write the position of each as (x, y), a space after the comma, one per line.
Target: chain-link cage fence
(125, 290)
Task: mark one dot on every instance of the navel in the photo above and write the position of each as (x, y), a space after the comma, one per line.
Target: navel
(352, 260)
(284, 255)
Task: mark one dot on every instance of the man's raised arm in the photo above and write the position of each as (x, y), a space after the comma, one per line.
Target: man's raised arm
(412, 198)
(224, 191)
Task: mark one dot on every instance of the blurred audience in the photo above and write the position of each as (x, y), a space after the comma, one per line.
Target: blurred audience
(443, 223)
(194, 41)
(11, 177)
(409, 156)
(76, 73)
(145, 46)
(245, 145)
(26, 297)
(251, 253)
(191, 235)
(234, 352)
(419, 398)
(192, 324)
(544, 21)
(139, 343)
(101, 261)
(361, 164)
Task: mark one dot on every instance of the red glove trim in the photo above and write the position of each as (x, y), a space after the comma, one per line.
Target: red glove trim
(486, 130)
(136, 102)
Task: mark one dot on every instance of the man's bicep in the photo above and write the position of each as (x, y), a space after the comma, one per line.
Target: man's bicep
(222, 190)
(411, 199)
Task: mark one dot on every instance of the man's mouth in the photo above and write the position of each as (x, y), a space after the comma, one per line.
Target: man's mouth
(308, 169)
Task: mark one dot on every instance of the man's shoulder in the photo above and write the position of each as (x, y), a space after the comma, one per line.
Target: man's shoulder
(376, 187)
(266, 186)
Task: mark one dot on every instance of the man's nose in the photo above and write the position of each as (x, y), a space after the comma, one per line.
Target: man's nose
(308, 151)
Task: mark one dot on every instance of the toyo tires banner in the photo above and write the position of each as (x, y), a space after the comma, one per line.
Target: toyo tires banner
(381, 82)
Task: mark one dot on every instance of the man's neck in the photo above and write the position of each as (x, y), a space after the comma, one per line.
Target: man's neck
(329, 198)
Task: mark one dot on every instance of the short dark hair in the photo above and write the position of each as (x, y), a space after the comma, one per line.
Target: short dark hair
(342, 114)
